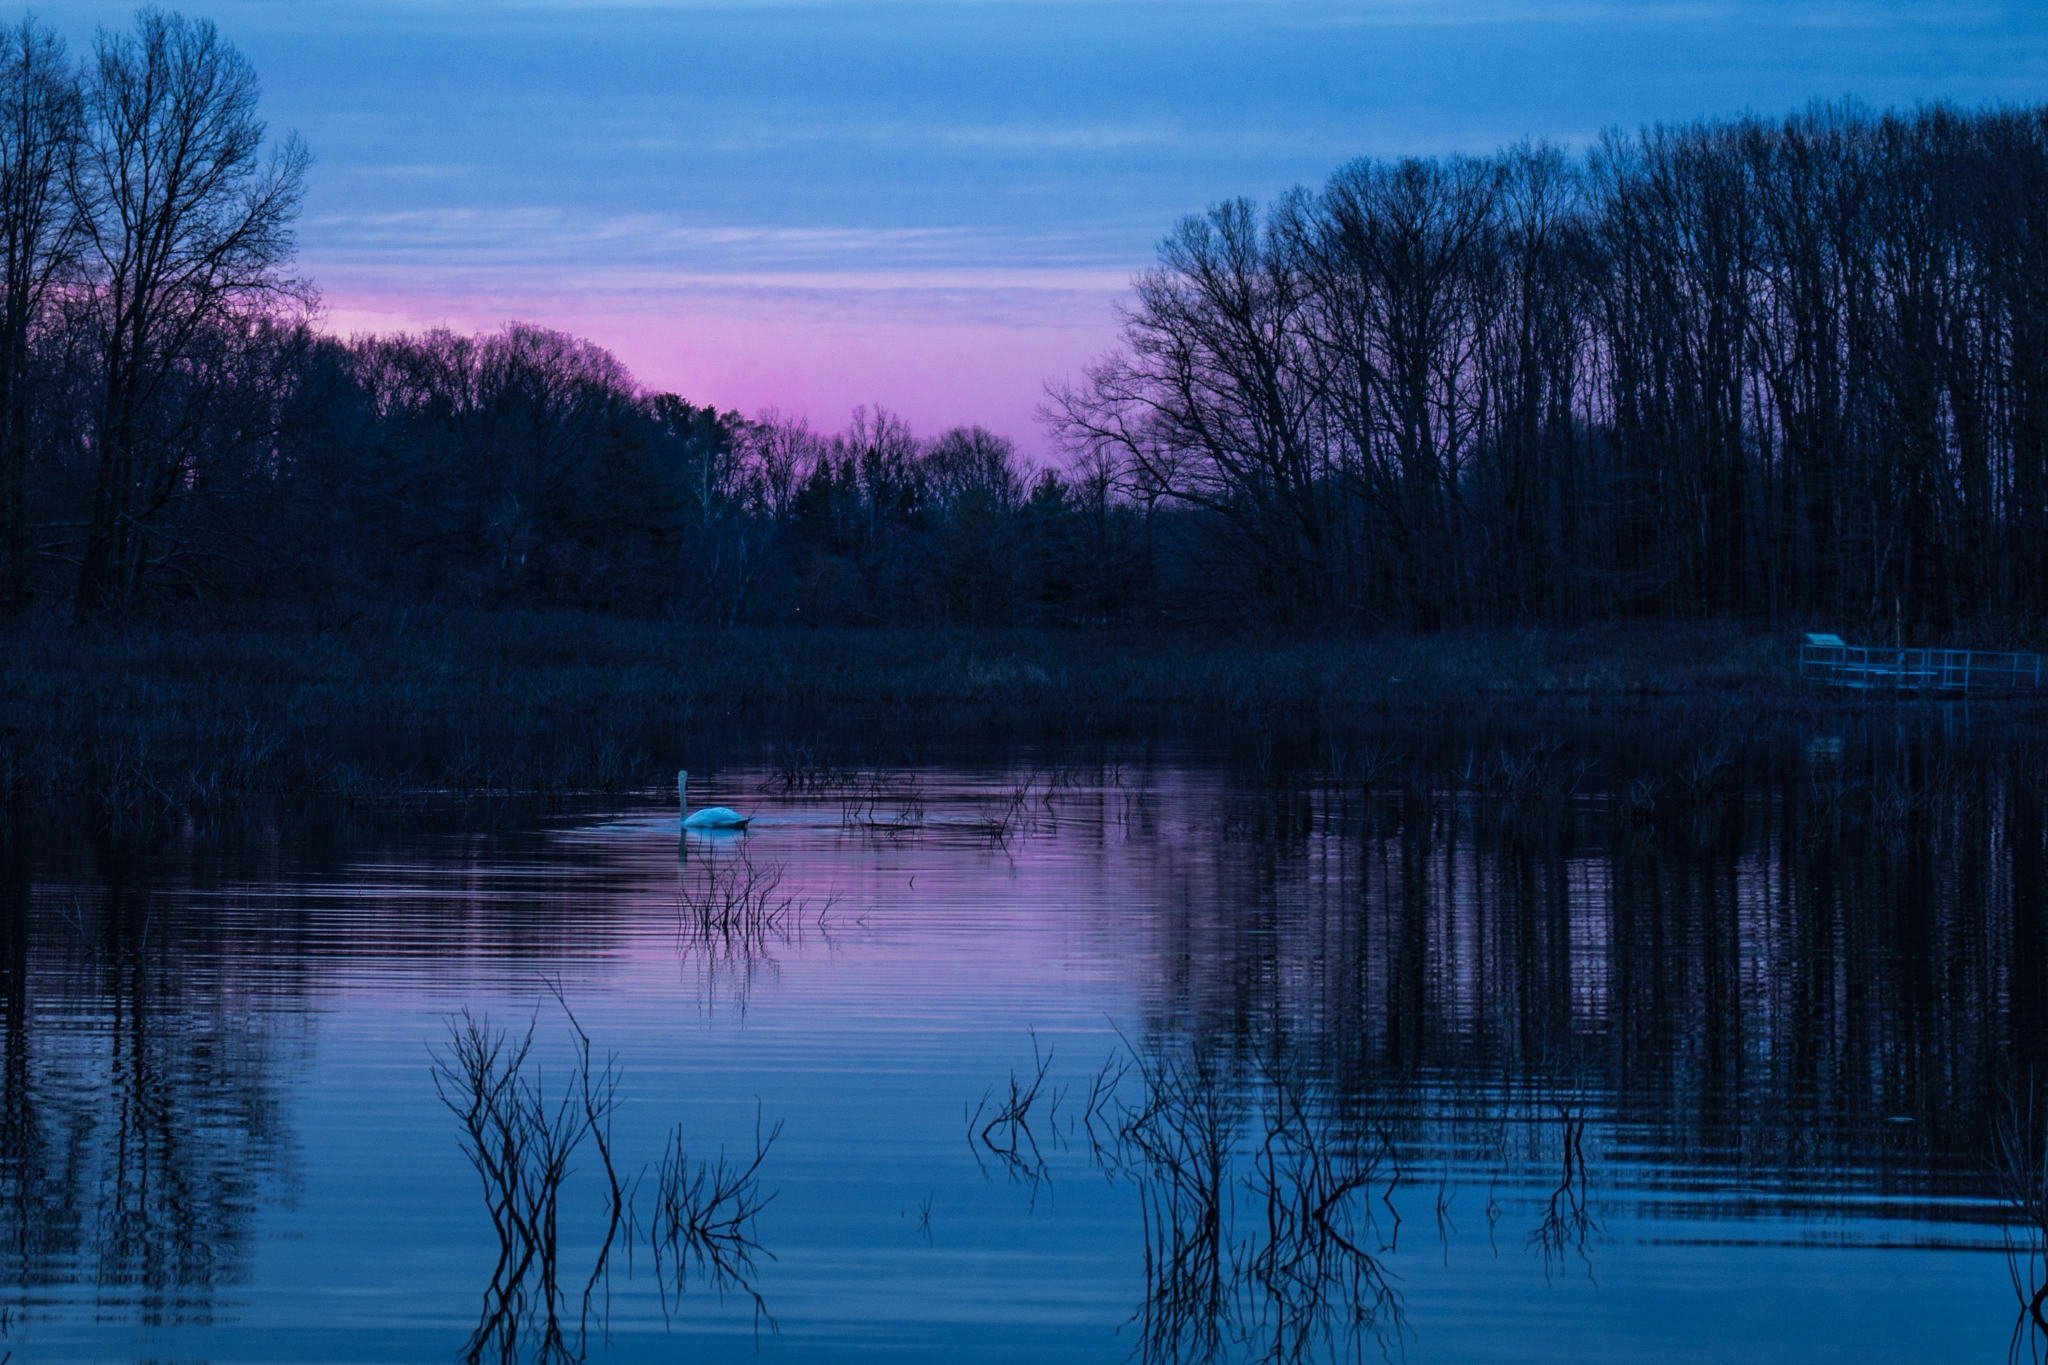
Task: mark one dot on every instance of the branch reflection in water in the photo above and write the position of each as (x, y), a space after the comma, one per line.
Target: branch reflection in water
(521, 1138)
(704, 1216)
(1001, 1127)
(1568, 1221)
(2020, 1151)
(733, 916)
(1264, 1198)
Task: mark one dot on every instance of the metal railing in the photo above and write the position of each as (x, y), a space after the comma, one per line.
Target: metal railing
(1828, 661)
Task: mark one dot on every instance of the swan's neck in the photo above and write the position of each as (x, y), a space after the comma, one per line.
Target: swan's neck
(683, 790)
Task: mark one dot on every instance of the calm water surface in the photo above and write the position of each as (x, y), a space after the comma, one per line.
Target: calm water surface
(1326, 1075)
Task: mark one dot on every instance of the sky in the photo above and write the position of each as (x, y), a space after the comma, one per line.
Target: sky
(935, 205)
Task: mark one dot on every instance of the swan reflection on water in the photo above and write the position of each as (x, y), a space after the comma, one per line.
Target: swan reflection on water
(709, 840)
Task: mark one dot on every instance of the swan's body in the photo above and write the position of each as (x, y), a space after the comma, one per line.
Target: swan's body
(711, 817)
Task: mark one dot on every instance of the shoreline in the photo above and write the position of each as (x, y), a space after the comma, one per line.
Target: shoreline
(191, 717)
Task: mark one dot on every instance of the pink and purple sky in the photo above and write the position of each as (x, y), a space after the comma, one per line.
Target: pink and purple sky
(935, 204)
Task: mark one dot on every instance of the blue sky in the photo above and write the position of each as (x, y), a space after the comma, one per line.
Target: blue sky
(934, 205)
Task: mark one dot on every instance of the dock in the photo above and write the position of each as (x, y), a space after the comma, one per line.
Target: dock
(1830, 662)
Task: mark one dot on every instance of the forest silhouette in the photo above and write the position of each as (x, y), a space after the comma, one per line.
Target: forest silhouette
(1770, 371)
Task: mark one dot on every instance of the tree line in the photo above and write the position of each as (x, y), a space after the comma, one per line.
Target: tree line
(175, 431)
(1781, 371)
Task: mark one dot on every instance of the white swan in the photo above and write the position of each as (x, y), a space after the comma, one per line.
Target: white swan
(711, 817)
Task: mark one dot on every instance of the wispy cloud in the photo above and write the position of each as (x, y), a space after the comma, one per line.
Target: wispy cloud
(729, 181)
(645, 247)
(421, 171)
(1020, 137)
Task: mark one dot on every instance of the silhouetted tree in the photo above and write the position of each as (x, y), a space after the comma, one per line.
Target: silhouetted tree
(187, 227)
(40, 122)
(1772, 371)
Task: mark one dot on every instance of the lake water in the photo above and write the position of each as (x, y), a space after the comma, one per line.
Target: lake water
(1329, 1072)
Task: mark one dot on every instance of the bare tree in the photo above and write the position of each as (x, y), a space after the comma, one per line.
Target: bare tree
(186, 222)
(779, 450)
(39, 126)
(1211, 399)
(1393, 254)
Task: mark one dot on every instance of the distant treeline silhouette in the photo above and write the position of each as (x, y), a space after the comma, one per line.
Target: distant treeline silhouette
(1771, 371)
(173, 430)
(1777, 371)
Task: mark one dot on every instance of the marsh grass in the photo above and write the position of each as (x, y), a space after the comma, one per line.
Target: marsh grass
(181, 718)
(890, 802)
(734, 901)
(1012, 812)
(1568, 1222)
(1670, 725)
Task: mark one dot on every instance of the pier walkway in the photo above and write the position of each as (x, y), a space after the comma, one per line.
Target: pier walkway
(1827, 660)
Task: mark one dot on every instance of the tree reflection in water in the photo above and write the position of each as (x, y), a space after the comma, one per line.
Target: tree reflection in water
(1262, 1235)
(1259, 1189)
(1267, 1186)
(142, 1114)
(1794, 983)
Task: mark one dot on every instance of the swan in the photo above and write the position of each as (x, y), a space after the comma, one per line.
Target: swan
(711, 817)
